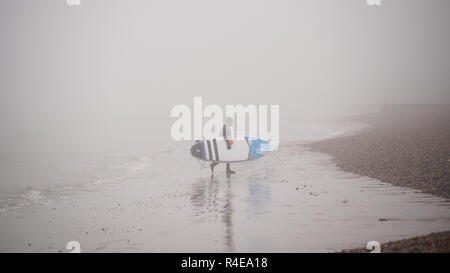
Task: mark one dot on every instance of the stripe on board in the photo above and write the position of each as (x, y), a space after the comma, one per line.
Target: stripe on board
(215, 149)
(209, 150)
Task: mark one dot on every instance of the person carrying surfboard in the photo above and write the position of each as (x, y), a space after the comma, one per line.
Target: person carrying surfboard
(226, 133)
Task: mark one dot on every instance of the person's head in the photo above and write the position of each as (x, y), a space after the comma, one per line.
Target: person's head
(229, 121)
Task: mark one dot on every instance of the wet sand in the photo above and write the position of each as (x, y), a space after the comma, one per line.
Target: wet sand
(405, 147)
(292, 200)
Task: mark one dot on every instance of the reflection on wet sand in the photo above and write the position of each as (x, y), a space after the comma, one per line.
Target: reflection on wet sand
(214, 197)
(259, 196)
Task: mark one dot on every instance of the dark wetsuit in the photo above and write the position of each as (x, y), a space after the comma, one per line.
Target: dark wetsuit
(224, 134)
(227, 140)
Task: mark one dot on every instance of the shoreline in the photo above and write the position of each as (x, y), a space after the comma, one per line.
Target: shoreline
(407, 148)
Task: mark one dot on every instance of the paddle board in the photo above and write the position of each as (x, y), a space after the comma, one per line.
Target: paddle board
(243, 149)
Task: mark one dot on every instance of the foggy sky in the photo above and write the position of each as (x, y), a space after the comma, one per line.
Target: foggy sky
(128, 63)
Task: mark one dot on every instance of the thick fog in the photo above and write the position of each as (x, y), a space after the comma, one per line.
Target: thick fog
(114, 69)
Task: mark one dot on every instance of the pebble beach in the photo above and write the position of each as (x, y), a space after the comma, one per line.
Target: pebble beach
(404, 146)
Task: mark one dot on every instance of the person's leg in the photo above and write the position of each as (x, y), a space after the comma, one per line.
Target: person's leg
(212, 165)
(229, 171)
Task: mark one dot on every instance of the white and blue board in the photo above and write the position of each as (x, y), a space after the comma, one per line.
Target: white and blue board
(243, 149)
